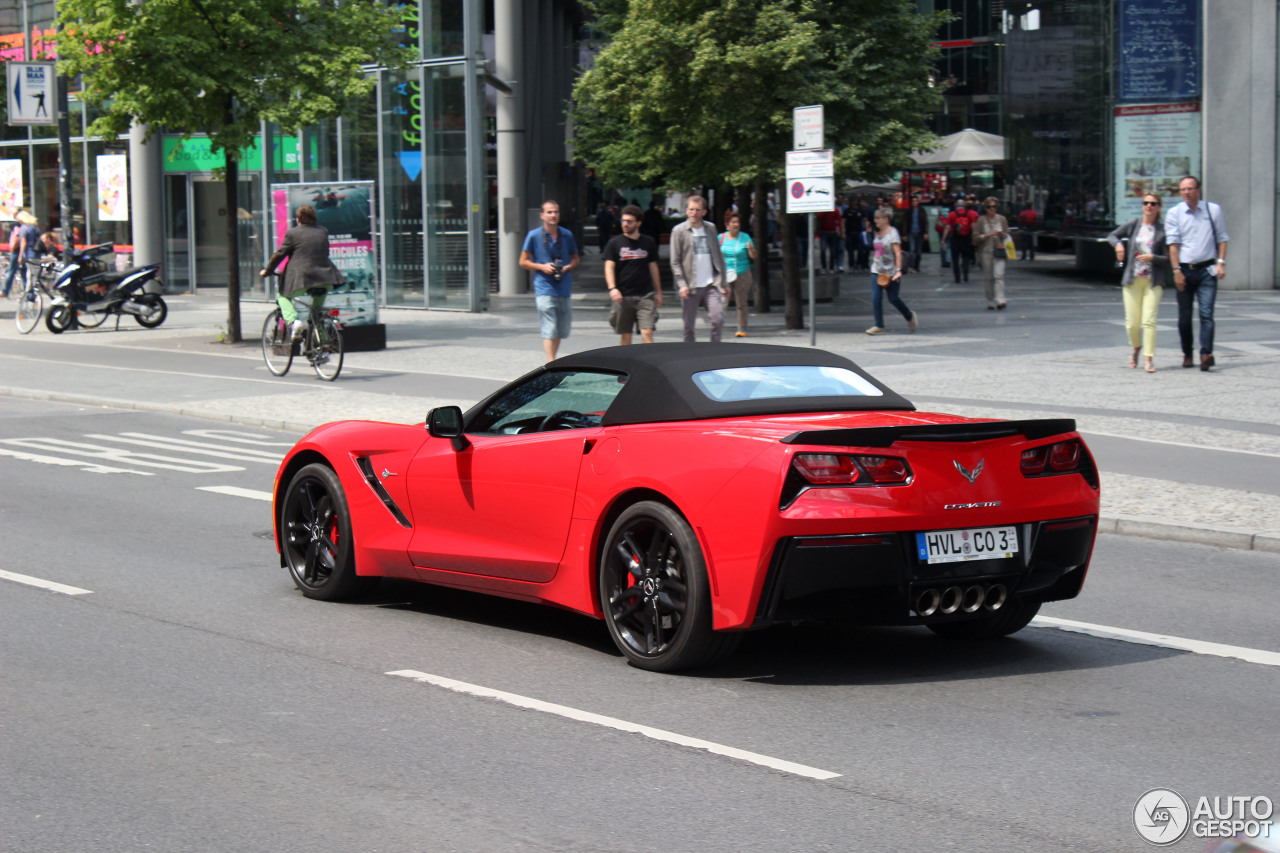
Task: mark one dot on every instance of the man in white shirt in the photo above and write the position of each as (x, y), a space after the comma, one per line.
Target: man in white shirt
(698, 268)
(1197, 237)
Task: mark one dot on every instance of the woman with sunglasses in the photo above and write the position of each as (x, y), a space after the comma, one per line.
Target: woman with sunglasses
(1142, 251)
(989, 234)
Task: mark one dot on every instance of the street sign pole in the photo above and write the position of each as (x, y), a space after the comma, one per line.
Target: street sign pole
(811, 189)
(813, 329)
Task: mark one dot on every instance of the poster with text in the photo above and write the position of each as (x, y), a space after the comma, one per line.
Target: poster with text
(345, 210)
(1156, 145)
(10, 189)
(113, 187)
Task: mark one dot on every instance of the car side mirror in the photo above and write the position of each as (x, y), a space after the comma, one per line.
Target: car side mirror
(446, 422)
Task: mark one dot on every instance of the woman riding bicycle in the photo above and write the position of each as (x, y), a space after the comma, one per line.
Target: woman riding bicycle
(306, 245)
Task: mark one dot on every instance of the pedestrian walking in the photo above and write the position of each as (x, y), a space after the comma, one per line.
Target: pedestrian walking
(1141, 247)
(1028, 221)
(913, 225)
(886, 273)
(551, 254)
(959, 235)
(698, 269)
(989, 235)
(635, 285)
(831, 242)
(604, 226)
(739, 251)
(1197, 238)
(15, 258)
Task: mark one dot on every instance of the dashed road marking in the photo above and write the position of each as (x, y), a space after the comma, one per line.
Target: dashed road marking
(237, 492)
(52, 586)
(1143, 638)
(614, 723)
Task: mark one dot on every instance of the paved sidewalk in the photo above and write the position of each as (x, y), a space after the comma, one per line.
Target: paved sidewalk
(1057, 351)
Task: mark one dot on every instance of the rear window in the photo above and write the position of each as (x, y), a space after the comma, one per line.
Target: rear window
(735, 384)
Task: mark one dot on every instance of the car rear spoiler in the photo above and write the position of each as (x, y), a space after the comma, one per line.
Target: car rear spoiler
(886, 436)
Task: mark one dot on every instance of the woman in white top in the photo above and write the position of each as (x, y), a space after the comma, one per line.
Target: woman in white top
(1141, 248)
(989, 234)
(886, 267)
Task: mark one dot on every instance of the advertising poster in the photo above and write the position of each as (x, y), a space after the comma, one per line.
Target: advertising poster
(345, 210)
(113, 187)
(1156, 145)
(10, 189)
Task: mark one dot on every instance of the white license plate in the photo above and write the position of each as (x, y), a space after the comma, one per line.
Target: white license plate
(975, 543)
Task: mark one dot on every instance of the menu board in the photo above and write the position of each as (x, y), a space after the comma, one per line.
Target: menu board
(1159, 51)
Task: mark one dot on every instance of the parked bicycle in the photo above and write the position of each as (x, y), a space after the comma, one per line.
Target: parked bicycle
(320, 345)
(37, 289)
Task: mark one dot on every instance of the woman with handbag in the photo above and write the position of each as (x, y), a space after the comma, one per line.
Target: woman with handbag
(989, 235)
(1142, 250)
(886, 272)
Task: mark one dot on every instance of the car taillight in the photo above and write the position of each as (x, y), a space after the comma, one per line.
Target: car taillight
(1060, 458)
(829, 469)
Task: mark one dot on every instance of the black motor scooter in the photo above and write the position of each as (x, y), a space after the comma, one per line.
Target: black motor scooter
(88, 293)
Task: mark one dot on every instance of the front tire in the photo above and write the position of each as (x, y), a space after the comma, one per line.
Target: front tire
(315, 529)
(59, 319)
(30, 307)
(156, 310)
(1010, 619)
(655, 594)
(277, 344)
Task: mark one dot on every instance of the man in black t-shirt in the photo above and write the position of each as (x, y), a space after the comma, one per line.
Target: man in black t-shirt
(635, 285)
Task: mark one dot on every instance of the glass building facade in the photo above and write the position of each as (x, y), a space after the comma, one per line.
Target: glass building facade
(419, 136)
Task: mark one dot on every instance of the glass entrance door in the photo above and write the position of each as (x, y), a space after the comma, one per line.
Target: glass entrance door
(197, 239)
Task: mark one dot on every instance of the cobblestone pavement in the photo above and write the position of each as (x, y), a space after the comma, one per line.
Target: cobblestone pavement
(1058, 350)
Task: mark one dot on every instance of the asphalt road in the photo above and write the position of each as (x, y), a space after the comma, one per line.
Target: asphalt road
(191, 699)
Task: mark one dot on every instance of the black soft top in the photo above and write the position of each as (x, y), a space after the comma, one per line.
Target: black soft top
(660, 383)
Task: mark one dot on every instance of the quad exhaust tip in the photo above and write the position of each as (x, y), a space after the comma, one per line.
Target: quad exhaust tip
(956, 599)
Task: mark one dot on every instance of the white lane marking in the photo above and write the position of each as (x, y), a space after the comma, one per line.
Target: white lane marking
(274, 381)
(1142, 638)
(161, 442)
(1131, 437)
(44, 584)
(236, 492)
(238, 437)
(115, 454)
(614, 723)
(91, 467)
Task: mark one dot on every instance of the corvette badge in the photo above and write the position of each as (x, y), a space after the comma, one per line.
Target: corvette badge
(969, 475)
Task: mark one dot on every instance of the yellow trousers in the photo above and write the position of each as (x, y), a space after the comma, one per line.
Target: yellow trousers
(1141, 306)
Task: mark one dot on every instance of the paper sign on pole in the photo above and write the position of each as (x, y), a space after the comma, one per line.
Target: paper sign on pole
(811, 164)
(31, 87)
(807, 127)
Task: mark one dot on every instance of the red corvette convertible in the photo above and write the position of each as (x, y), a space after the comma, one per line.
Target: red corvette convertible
(685, 493)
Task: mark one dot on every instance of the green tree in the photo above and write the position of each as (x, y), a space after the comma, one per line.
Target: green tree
(222, 68)
(694, 93)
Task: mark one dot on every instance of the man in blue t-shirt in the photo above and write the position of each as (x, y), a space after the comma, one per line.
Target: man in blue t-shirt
(550, 253)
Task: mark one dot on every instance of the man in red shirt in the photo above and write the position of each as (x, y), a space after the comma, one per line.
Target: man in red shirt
(1028, 219)
(959, 234)
(831, 227)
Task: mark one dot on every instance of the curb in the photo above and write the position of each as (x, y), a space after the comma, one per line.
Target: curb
(1148, 528)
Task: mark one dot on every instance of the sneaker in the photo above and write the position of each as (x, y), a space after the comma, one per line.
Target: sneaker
(876, 330)
(298, 330)
(740, 334)
(913, 323)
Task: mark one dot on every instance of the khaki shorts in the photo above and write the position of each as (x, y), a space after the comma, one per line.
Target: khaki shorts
(633, 312)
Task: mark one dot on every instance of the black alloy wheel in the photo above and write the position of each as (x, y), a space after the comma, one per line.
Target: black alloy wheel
(315, 528)
(655, 594)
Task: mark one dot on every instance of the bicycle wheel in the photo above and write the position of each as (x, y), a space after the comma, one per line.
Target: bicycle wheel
(326, 349)
(277, 346)
(30, 307)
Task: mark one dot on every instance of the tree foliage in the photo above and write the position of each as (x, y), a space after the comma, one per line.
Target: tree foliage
(692, 93)
(222, 66)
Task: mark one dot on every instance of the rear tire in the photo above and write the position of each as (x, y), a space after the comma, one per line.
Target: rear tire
(277, 345)
(30, 307)
(326, 349)
(156, 308)
(1010, 619)
(655, 594)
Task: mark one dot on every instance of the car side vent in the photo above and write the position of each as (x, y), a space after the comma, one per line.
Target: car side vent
(370, 477)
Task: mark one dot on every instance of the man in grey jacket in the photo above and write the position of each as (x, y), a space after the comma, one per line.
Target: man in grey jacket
(698, 268)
